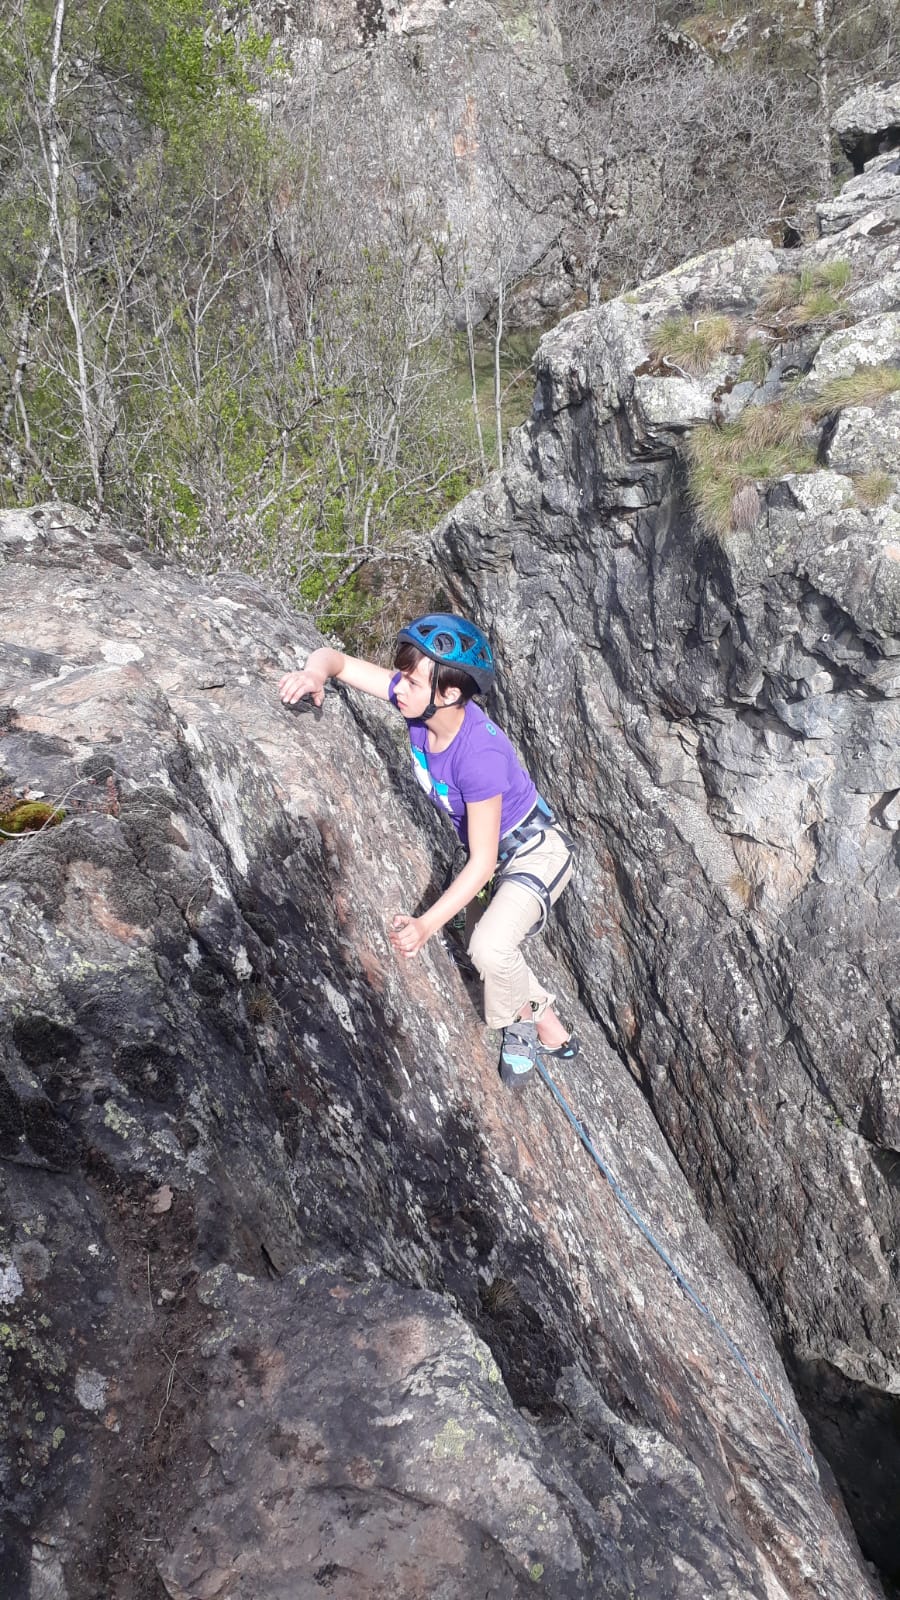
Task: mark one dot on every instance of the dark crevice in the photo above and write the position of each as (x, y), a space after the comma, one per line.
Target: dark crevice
(857, 1429)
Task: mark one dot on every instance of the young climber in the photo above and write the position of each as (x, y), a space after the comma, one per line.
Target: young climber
(472, 774)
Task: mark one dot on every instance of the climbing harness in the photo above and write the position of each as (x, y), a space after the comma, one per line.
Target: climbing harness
(515, 848)
(534, 826)
(583, 1134)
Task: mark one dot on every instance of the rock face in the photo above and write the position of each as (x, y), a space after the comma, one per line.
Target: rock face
(869, 123)
(433, 112)
(296, 1300)
(719, 718)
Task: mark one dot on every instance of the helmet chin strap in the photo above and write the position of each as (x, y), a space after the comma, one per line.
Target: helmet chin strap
(432, 705)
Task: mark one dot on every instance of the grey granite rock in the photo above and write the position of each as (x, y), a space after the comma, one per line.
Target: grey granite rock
(296, 1299)
(424, 108)
(718, 722)
(868, 119)
(871, 202)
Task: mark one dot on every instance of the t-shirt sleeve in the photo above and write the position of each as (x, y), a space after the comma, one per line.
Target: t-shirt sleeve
(392, 686)
(486, 774)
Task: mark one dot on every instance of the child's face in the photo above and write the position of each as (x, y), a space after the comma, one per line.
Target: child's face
(413, 692)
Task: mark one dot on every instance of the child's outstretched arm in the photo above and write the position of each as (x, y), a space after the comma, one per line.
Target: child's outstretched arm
(327, 663)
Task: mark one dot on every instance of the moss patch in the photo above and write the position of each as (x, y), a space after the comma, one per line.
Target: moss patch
(29, 816)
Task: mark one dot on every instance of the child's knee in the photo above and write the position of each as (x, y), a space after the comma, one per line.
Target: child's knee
(486, 955)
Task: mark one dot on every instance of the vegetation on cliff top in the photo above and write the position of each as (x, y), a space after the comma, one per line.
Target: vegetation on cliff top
(727, 461)
(233, 329)
(193, 334)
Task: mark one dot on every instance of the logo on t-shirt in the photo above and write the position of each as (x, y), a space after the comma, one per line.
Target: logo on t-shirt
(489, 728)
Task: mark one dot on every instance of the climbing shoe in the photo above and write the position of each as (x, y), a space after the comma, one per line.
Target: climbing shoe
(564, 1052)
(519, 1053)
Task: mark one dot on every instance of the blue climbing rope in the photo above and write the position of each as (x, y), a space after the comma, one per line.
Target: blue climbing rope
(582, 1132)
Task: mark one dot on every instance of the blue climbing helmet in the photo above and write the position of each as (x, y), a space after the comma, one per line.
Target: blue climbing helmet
(452, 641)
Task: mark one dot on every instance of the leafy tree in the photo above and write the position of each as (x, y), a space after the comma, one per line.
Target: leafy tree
(190, 337)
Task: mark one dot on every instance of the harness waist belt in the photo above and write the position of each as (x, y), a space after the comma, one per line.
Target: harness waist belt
(538, 820)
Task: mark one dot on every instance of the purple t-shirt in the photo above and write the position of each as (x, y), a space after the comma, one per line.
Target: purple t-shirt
(478, 764)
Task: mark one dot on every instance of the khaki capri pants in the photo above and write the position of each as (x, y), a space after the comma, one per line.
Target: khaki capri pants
(512, 912)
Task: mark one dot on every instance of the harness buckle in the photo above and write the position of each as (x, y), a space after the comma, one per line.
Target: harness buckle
(539, 819)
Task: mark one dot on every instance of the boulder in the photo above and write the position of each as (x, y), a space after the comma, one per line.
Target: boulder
(297, 1300)
(869, 204)
(868, 123)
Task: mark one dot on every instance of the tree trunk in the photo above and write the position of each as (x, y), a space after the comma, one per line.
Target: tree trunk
(824, 94)
(470, 342)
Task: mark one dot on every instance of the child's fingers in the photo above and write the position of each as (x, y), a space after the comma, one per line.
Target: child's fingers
(295, 686)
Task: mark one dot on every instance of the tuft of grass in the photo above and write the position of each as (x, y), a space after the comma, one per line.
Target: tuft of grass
(726, 462)
(782, 424)
(779, 293)
(873, 488)
(745, 507)
(741, 887)
(833, 274)
(260, 1004)
(499, 1296)
(693, 343)
(756, 362)
(812, 295)
(764, 443)
(864, 387)
(816, 306)
(711, 489)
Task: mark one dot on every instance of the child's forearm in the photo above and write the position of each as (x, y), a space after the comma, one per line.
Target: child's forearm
(326, 661)
(475, 874)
